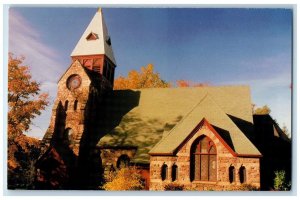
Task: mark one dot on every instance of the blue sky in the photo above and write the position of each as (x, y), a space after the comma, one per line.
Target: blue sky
(216, 46)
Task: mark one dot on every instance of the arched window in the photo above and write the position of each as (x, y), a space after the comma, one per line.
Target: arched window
(164, 172)
(75, 104)
(231, 174)
(66, 105)
(123, 161)
(203, 160)
(174, 172)
(68, 136)
(242, 174)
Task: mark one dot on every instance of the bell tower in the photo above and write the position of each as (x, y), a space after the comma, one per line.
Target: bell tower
(94, 50)
(71, 138)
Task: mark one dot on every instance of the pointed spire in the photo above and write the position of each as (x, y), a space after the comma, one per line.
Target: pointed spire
(95, 39)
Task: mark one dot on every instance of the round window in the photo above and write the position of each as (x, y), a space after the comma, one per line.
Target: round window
(73, 82)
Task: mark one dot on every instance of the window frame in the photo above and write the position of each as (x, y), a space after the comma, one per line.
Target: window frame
(174, 173)
(198, 151)
(164, 172)
(231, 174)
(243, 174)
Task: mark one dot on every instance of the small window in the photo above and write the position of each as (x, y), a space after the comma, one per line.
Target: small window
(231, 174)
(96, 69)
(123, 161)
(174, 172)
(104, 68)
(66, 105)
(92, 36)
(242, 174)
(75, 104)
(68, 136)
(164, 172)
(108, 41)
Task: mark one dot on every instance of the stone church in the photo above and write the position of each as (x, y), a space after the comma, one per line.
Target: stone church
(204, 138)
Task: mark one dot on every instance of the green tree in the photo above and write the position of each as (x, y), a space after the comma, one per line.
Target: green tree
(280, 182)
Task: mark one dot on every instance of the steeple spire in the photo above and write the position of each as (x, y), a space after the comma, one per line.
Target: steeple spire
(95, 40)
(94, 48)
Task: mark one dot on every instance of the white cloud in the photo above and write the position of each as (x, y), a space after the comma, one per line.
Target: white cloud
(25, 40)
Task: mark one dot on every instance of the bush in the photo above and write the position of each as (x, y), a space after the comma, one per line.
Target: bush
(280, 183)
(174, 187)
(243, 187)
(128, 178)
(248, 187)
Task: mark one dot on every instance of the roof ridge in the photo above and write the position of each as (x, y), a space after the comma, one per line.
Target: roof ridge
(196, 105)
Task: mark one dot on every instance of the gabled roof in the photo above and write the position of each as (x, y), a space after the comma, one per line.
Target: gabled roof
(141, 118)
(100, 44)
(208, 109)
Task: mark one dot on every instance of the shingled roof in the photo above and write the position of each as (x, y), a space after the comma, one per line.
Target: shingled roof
(158, 120)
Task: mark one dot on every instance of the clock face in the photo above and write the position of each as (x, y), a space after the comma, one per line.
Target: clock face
(73, 82)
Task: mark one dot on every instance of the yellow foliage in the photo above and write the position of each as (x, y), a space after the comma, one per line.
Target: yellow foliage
(265, 110)
(147, 78)
(127, 178)
(25, 101)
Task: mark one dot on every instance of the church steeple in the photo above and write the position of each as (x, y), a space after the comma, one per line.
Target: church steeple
(94, 48)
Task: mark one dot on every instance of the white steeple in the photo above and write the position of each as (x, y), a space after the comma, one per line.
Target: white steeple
(95, 39)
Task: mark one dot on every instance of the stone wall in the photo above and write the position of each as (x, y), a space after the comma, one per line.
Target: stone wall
(224, 160)
(73, 118)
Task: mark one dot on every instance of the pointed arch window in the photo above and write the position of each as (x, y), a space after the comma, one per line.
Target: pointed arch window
(203, 160)
(164, 172)
(66, 105)
(123, 161)
(242, 174)
(75, 104)
(68, 136)
(174, 172)
(231, 174)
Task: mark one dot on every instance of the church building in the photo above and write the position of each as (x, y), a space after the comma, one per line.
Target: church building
(199, 137)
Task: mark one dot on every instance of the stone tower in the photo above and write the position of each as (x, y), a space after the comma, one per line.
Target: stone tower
(81, 88)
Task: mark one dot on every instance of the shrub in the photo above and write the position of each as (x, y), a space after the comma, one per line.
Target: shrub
(248, 187)
(243, 187)
(127, 178)
(174, 187)
(280, 183)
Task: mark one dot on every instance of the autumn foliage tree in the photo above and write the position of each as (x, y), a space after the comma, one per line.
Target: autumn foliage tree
(265, 110)
(25, 101)
(126, 178)
(146, 78)
(186, 83)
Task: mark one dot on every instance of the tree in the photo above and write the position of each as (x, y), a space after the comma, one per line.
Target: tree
(126, 178)
(265, 110)
(185, 83)
(24, 103)
(146, 78)
(24, 99)
(280, 183)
